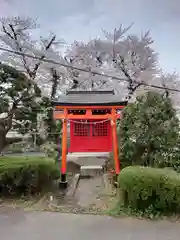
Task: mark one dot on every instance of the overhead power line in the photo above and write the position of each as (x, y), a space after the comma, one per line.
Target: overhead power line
(86, 70)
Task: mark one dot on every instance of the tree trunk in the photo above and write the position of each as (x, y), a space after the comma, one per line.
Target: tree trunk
(3, 141)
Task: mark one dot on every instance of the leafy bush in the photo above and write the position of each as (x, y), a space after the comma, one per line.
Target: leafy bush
(51, 150)
(145, 187)
(149, 131)
(26, 175)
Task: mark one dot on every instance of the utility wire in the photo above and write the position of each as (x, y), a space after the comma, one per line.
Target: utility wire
(86, 70)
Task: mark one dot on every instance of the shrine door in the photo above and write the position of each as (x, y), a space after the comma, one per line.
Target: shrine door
(87, 136)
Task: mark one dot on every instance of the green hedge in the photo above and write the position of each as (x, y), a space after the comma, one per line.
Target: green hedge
(26, 175)
(145, 187)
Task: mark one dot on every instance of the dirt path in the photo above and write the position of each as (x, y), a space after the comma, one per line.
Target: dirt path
(89, 191)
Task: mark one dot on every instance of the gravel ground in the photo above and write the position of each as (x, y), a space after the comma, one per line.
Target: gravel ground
(20, 225)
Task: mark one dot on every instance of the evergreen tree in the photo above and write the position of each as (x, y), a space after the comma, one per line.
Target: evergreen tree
(149, 131)
(18, 103)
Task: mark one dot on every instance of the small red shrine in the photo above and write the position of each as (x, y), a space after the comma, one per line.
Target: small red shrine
(92, 116)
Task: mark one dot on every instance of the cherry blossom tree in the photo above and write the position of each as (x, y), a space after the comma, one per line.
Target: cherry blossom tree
(17, 35)
(123, 55)
(120, 54)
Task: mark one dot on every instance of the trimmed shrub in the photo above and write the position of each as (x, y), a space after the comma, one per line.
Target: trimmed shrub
(26, 175)
(146, 187)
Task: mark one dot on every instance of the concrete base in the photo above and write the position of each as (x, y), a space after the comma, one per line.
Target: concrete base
(89, 161)
(116, 180)
(63, 184)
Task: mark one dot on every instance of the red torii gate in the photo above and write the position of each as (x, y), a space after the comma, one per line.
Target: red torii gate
(92, 116)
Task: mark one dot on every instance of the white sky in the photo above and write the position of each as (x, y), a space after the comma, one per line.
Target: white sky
(83, 20)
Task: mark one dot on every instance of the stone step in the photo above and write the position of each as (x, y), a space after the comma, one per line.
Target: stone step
(91, 170)
(87, 154)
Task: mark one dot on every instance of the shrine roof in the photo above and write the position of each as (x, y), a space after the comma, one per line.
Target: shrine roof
(89, 98)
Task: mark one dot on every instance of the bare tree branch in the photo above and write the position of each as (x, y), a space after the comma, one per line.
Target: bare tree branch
(46, 48)
(55, 80)
(19, 48)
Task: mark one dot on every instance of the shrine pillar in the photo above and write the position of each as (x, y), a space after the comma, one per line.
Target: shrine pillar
(63, 177)
(115, 142)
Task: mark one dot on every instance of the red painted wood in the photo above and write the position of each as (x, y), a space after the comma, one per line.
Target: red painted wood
(90, 137)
